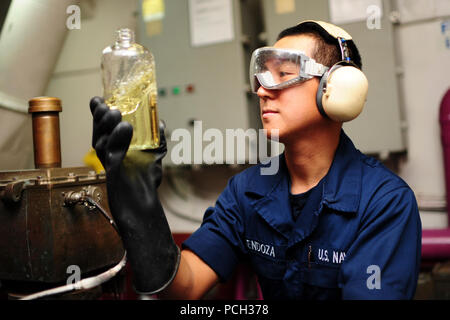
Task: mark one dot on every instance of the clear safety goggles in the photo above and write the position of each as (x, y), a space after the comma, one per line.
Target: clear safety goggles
(276, 69)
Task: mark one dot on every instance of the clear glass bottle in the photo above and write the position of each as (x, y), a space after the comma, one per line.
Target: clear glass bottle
(129, 84)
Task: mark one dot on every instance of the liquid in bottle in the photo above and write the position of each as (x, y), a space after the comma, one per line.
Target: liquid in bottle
(129, 84)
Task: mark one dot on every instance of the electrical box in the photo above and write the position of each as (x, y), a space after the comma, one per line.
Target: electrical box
(203, 84)
(378, 129)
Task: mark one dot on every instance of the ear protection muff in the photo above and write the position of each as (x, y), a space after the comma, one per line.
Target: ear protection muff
(342, 92)
(343, 88)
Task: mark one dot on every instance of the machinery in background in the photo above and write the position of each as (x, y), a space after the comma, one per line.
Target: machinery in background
(52, 231)
(202, 51)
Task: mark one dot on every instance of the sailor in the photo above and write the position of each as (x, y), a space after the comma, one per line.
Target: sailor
(331, 223)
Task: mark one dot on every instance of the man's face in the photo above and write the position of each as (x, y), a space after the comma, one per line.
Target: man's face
(292, 110)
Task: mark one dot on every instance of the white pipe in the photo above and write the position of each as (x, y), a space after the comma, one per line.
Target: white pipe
(84, 284)
(30, 43)
(12, 103)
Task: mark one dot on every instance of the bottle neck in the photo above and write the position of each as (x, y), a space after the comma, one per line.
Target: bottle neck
(125, 37)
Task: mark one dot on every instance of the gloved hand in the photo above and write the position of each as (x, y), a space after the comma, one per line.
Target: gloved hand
(132, 180)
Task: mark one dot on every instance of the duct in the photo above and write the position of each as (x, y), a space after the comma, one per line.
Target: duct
(30, 42)
(12, 103)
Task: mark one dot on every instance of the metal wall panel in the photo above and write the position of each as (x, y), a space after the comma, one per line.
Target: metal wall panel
(217, 72)
(378, 128)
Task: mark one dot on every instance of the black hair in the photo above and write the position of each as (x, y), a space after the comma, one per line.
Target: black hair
(327, 50)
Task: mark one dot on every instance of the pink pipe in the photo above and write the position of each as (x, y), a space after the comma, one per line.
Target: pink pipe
(436, 243)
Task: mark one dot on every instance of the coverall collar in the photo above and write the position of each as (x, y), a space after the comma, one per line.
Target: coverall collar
(341, 188)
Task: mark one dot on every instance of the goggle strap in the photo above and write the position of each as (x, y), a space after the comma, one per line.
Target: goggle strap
(315, 69)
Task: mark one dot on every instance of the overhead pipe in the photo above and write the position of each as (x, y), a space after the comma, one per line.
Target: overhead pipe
(31, 40)
(30, 43)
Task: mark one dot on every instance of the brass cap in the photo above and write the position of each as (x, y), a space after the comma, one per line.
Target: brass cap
(44, 104)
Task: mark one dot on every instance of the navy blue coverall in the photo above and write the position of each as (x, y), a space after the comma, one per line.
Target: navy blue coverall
(357, 237)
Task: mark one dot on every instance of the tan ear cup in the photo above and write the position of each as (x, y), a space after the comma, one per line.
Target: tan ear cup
(345, 94)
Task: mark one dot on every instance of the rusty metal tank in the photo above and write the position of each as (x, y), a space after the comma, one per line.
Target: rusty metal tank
(45, 223)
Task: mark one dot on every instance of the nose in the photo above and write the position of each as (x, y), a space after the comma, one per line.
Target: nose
(264, 93)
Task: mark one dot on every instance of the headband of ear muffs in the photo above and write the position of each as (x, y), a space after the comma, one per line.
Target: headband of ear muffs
(343, 88)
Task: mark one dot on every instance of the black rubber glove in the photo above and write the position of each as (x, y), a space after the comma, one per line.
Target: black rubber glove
(132, 180)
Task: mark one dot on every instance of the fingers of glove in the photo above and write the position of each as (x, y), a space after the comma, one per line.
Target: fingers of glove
(100, 148)
(157, 173)
(161, 151)
(162, 125)
(162, 136)
(95, 103)
(118, 143)
(98, 110)
(105, 125)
